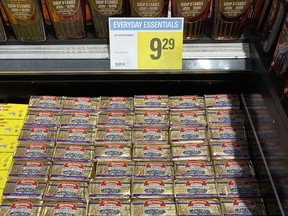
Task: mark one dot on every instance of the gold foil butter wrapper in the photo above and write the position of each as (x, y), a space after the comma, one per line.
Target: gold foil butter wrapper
(47, 103)
(76, 171)
(115, 119)
(80, 104)
(115, 169)
(225, 117)
(78, 120)
(21, 207)
(116, 103)
(101, 188)
(151, 118)
(34, 151)
(227, 150)
(163, 207)
(184, 188)
(234, 168)
(79, 153)
(198, 206)
(243, 206)
(186, 102)
(151, 153)
(228, 132)
(187, 134)
(190, 151)
(151, 102)
(194, 169)
(24, 189)
(150, 135)
(37, 134)
(152, 188)
(121, 207)
(113, 135)
(66, 191)
(42, 118)
(222, 101)
(64, 208)
(80, 136)
(154, 169)
(113, 152)
(188, 118)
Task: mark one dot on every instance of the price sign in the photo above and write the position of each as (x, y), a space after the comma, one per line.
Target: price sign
(146, 43)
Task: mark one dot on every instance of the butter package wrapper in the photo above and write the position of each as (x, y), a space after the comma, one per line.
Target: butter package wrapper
(78, 119)
(76, 171)
(234, 168)
(186, 102)
(225, 117)
(42, 118)
(64, 208)
(116, 103)
(79, 153)
(37, 134)
(243, 206)
(190, 151)
(6, 160)
(187, 134)
(188, 118)
(47, 103)
(151, 153)
(198, 206)
(13, 111)
(81, 104)
(112, 152)
(151, 118)
(184, 188)
(227, 150)
(66, 191)
(152, 188)
(3, 178)
(154, 169)
(228, 132)
(10, 127)
(8, 144)
(80, 136)
(24, 189)
(115, 169)
(238, 187)
(21, 207)
(121, 207)
(115, 119)
(194, 169)
(163, 207)
(150, 135)
(151, 102)
(113, 135)
(30, 170)
(222, 101)
(34, 151)
(101, 188)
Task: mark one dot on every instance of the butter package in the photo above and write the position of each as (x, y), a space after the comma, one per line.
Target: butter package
(238, 187)
(37, 134)
(222, 101)
(116, 103)
(186, 102)
(150, 135)
(66, 191)
(80, 104)
(100, 188)
(6, 160)
(151, 153)
(1, 193)
(10, 127)
(151, 118)
(13, 111)
(113, 135)
(234, 168)
(47, 103)
(34, 151)
(21, 207)
(78, 119)
(79, 153)
(64, 208)
(79, 136)
(229, 150)
(156, 207)
(184, 188)
(190, 151)
(187, 134)
(115, 119)
(198, 207)
(225, 117)
(154, 169)
(30, 170)
(188, 118)
(112, 152)
(42, 118)
(151, 102)
(71, 171)
(8, 144)
(243, 206)
(227, 132)
(105, 207)
(115, 169)
(3, 178)
(152, 188)
(24, 189)
(194, 169)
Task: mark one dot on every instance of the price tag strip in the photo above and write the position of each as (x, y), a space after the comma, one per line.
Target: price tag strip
(146, 43)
